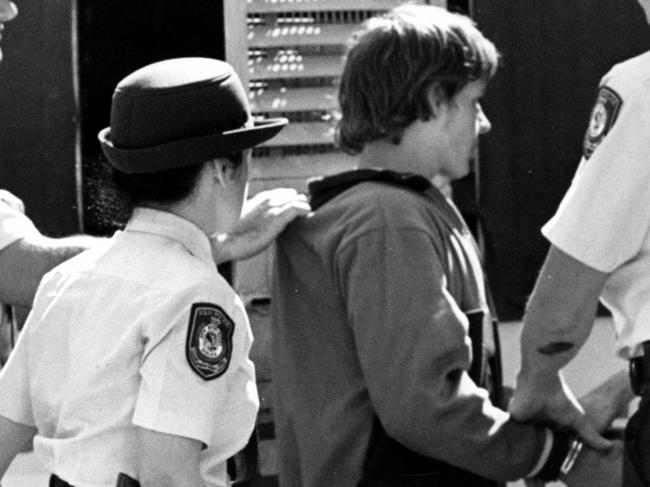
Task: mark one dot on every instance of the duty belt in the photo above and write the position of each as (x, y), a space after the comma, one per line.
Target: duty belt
(640, 372)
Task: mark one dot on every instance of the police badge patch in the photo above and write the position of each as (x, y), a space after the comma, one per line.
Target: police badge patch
(209, 340)
(603, 117)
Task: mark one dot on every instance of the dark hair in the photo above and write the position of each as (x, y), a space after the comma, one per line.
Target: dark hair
(392, 62)
(163, 187)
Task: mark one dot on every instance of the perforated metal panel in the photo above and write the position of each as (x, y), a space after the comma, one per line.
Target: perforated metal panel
(295, 55)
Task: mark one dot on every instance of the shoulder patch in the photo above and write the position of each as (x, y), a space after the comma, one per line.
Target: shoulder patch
(603, 116)
(208, 346)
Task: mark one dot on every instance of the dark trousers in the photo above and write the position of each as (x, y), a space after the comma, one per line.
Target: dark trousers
(391, 464)
(636, 460)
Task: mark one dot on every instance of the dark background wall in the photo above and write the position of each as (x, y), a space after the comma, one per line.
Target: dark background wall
(37, 114)
(554, 53)
(116, 37)
(56, 92)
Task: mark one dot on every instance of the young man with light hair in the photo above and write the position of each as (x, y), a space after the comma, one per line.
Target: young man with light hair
(386, 359)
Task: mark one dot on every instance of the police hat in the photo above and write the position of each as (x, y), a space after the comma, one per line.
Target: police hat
(180, 112)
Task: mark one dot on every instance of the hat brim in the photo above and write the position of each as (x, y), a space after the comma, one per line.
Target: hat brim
(186, 152)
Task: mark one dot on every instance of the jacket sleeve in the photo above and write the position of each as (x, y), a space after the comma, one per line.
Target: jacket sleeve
(414, 350)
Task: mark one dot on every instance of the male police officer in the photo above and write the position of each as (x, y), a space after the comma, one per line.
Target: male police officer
(600, 240)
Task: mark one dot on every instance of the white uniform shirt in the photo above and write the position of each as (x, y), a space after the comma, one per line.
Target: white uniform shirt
(604, 219)
(107, 347)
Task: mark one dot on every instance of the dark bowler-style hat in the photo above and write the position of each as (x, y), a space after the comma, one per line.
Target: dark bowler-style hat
(181, 112)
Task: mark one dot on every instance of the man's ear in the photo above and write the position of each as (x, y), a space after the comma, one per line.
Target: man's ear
(436, 98)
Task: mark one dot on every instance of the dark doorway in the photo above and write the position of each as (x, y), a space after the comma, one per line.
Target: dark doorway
(554, 54)
(114, 38)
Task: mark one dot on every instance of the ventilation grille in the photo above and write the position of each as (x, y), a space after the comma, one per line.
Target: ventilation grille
(295, 56)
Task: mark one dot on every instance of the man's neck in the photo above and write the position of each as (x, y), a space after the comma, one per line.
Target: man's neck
(396, 157)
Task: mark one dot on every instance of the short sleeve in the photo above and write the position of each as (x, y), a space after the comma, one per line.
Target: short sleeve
(186, 370)
(15, 399)
(602, 220)
(13, 225)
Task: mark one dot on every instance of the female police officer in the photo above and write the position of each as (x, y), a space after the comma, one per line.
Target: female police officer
(134, 360)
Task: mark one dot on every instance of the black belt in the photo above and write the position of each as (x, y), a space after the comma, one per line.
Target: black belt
(640, 372)
(123, 480)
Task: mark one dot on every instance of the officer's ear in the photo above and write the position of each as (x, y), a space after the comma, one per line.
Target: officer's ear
(231, 167)
(218, 170)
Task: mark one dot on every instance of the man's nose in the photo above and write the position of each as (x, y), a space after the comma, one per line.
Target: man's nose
(484, 125)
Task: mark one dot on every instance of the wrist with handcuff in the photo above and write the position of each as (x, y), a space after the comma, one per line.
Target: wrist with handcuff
(559, 455)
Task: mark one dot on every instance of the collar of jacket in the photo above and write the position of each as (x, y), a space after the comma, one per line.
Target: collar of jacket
(322, 190)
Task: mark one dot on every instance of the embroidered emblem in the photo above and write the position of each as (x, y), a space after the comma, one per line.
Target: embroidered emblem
(209, 340)
(603, 117)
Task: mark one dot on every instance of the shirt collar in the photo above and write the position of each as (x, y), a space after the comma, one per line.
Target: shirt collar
(163, 223)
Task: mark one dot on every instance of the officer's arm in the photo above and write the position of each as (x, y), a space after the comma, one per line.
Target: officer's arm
(24, 262)
(560, 314)
(14, 437)
(558, 321)
(29, 255)
(168, 460)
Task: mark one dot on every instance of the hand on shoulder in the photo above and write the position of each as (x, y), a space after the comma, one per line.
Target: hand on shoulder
(263, 218)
